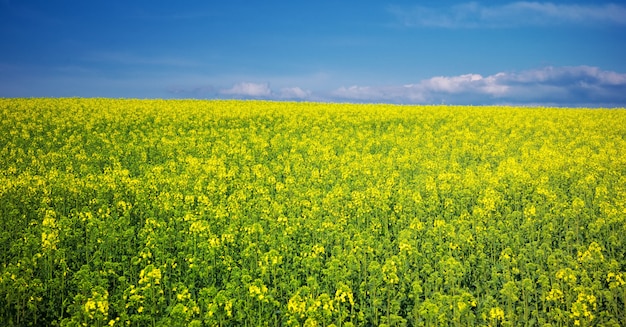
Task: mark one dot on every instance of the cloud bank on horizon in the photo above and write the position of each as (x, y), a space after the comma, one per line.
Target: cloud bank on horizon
(577, 86)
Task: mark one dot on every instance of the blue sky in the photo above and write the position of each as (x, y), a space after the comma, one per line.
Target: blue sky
(564, 53)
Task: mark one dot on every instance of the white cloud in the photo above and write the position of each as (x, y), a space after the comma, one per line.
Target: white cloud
(579, 85)
(409, 93)
(563, 86)
(475, 15)
(451, 84)
(294, 93)
(428, 90)
(263, 90)
(574, 74)
(246, 89)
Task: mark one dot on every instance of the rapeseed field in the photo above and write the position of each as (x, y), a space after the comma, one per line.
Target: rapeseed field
(118, 212)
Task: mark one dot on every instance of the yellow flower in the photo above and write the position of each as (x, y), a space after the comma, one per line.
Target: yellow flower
(403, 246)
(296, 305)
(496, 313)
(592, 254)
(615, 280)
(554, 295)
(228, 307)
(90, 305)
(567, 275)
(258, 292)
(317, 250)
(344, 293)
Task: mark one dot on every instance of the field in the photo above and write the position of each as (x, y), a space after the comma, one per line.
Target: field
(209, 213)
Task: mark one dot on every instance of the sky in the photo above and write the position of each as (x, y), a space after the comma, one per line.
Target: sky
(559, 53)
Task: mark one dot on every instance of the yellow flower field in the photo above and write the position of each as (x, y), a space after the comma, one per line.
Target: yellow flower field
(223, 212)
